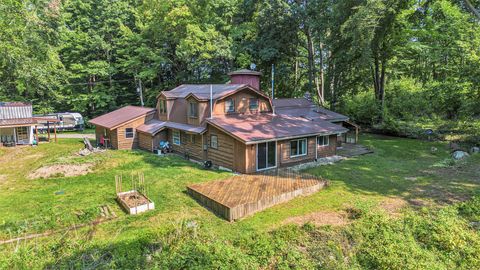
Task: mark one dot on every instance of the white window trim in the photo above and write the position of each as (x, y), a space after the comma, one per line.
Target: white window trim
(190, 109)
(298, 147)
(328, 141)
(233, 102)
(133, 134)
(256, 157)
(162, 109)
(179, 137)
(216, 136)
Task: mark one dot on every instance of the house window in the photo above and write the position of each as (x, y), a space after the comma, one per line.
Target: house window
(176, 137)
(230, 105)
(129, 133)
(214, 141)
(298, 148)
(253, 104)
(192, 139)
(193, 110)
(162, 106)
(323, 140)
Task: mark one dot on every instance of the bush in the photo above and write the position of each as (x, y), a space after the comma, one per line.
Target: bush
(362, 108)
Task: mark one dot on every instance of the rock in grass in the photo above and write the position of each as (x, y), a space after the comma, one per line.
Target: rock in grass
(458, 155)
(475, 150)
(433, 149)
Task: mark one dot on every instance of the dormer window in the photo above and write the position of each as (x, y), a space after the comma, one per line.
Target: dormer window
(253, 104)
(193, 110)
(230, 105)
(162, 106)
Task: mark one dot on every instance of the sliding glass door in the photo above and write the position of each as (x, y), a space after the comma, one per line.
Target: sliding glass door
(266, 155)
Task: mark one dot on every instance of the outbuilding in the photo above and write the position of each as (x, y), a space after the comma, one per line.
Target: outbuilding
(117, 129)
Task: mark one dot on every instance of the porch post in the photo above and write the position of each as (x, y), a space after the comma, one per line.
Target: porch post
(15, 135)
(36, 134)
(48, 130)
(55, 130)
(356, 135)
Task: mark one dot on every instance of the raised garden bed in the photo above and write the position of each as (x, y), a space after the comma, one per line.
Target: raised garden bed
(134, 202)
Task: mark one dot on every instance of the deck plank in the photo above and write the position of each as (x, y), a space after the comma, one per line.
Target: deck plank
(246, 194)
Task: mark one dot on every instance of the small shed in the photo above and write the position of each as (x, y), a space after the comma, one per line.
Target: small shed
(118, 129)
(18, 126)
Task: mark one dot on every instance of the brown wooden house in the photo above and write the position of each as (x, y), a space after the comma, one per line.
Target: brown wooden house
(235, 126)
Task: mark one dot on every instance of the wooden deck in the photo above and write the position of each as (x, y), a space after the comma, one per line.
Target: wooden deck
(352, 150)
(243, 195)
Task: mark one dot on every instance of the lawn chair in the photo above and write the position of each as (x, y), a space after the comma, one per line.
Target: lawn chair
(165, 147)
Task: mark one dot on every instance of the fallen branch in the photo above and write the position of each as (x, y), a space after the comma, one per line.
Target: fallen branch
(48, 233)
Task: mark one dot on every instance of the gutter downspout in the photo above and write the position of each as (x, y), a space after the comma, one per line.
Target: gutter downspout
(211, 101)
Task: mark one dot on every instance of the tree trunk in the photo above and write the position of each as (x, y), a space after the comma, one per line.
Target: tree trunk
(472, 8)
(311, 60)
(332, 85)
(296, 74)
(378, 77)
(321, 88)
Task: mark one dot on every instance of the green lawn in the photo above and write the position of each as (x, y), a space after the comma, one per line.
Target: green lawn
(400, 168)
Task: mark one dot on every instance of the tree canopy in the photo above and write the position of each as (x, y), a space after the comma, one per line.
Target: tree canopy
(373, 59)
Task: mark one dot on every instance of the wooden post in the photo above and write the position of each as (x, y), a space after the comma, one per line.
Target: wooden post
(48, 130)
(15, 138)
(55, 130)
(36, 134)
(356, 135)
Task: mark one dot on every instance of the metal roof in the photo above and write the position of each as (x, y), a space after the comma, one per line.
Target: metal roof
(245, 72)
(15, 110)
(152, 127)
(113, 119)
(17, 122)
(265, 127)
(301, 107)
(292, 102)
(202, 91)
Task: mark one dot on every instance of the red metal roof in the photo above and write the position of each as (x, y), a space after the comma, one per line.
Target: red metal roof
(292, 102)
(17, 122)
(152, 127)
(120, 116)
(202, 91)
(264, 127)
(301, 107)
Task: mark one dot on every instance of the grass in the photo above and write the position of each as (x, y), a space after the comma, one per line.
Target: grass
(85, 131)
(400, 168)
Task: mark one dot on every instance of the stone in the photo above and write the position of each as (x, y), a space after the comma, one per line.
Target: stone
(475, 150)
(454, 146)
(433, 149)
(458, 155)
(475, 224)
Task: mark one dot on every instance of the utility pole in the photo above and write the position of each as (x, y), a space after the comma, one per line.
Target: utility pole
(211, 101)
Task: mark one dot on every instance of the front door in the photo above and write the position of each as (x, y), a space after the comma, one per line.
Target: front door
(266, 155)
(22, 135)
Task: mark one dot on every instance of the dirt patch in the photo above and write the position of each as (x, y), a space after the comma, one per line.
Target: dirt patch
(3, 178)
(321, 218)
(62, 170)
(133, 199)
(393, 206)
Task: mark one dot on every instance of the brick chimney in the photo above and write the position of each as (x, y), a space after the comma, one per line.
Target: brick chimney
(246, 76)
